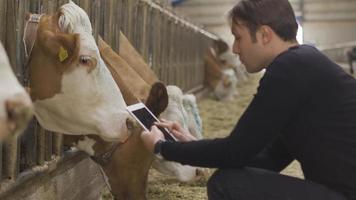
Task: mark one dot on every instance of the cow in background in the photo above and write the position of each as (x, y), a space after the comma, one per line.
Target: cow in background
(219, 76)
(15, 104)
(231, 61)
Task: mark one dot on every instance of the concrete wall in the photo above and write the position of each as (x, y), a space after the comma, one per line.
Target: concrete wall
(77, 178)
(329, 32)
(329, 22)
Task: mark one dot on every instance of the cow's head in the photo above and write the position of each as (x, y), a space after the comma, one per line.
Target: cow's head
(15, 104)
(72, 89)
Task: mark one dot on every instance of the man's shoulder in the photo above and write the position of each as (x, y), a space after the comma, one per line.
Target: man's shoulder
(302, 58)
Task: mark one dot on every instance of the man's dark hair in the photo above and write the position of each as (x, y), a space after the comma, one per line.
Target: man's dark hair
(278, 14)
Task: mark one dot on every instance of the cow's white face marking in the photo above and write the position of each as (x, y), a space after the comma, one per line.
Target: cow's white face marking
(87, 145)
(226, 88)
(90, 102)
(12, 91)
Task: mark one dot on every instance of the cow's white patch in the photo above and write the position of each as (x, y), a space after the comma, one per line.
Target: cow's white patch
(87, 145)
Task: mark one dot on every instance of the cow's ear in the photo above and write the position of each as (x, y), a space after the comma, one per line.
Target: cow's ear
(61, 47)
(157, 101)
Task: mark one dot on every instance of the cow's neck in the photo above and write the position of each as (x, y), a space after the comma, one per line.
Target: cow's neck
(126, 170)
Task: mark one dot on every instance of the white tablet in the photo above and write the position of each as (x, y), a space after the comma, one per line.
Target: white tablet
(146, 119)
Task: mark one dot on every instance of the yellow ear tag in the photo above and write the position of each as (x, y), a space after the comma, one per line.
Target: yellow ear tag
(63, 54)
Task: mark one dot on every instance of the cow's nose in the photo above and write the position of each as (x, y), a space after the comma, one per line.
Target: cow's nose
(19, 112)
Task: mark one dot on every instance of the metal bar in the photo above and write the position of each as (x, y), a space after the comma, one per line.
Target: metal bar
(57, 144)
(11, 157)
(41, 144)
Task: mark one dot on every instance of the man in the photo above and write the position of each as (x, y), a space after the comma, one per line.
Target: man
(304, 109)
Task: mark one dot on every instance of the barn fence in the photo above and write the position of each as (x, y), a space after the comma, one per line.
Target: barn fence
(172, 46)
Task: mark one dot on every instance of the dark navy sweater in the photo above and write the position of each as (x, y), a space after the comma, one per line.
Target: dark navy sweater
(304, 109)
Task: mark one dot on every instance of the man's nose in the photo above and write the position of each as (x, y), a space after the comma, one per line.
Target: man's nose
(236, 49)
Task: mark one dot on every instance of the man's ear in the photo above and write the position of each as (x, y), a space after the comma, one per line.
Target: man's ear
(60, 46)
(266, 34)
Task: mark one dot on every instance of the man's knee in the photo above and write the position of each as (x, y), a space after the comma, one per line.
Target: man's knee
(222, 181)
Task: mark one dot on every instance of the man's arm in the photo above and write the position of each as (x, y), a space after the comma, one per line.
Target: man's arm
(280, 95)
(274, 157)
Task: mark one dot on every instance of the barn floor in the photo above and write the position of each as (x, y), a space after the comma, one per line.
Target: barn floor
(218, 120)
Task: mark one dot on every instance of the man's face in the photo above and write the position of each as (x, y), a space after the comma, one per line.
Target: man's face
(249, 51)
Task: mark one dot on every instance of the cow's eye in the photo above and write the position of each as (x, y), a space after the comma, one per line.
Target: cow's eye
(84, 60)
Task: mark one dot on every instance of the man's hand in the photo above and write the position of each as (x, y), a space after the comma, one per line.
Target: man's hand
(177, 130)
(150, 138)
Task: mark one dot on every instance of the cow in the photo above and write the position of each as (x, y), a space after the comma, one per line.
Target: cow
(74, 93)
(72, 90)
(351, 58)
(15, 104)
(175, 111)
(231, 61)
(222, 80)
(124, 159)
(128, 169)
(137, 169)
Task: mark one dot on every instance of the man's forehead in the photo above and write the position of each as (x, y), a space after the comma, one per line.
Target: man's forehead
(237, 26)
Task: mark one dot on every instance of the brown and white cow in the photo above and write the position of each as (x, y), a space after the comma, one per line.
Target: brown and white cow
(15, 104)
(219, 77)
(132, 160)
(72, 89)
(74, 93)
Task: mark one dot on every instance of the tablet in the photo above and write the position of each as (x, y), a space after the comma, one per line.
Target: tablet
(146, 119)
